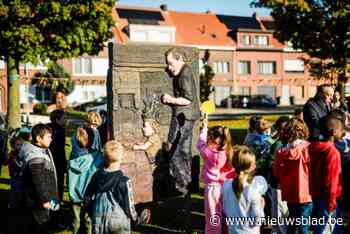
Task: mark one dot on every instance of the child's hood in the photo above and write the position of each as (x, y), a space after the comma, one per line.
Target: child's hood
(107, 181)
(294, 150)
(29, 151)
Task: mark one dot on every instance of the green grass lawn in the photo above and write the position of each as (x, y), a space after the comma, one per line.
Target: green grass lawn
(167, 216)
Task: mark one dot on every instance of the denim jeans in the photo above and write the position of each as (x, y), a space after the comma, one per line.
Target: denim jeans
(299, 210)
(320, 212)
(180, 137)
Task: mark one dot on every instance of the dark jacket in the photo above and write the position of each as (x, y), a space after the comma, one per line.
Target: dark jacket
(57, 147)
(314, 110)
(185, 86)
(40, 181)
(111, 202)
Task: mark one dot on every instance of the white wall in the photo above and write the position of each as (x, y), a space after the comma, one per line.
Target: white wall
(100, 66)
(296, 65)
(79, 95)
(151, 33)
(2, 64)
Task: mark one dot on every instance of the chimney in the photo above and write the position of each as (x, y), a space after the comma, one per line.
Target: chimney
(164, 7)
(209, 11)
(202, 28)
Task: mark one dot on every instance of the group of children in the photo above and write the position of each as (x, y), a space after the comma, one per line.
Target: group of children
(305, 178)
(101, 195)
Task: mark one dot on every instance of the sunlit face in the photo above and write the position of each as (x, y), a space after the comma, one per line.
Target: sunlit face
(147, 129)
(174, 65)
(336, 96)
(44, 141)
(328, 95)
(337, 128)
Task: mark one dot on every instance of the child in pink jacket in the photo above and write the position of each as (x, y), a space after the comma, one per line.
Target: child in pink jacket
(215, 148)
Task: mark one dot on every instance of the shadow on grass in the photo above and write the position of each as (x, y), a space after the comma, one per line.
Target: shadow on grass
(169, 216)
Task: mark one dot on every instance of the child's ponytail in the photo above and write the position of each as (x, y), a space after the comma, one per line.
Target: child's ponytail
(242, 160)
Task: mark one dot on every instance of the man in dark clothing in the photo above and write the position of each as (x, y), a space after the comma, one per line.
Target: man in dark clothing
(317, 108)
(40, 180)
(185, 105)
(57, 147)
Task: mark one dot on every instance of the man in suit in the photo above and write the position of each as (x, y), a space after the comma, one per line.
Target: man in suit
(317, 108)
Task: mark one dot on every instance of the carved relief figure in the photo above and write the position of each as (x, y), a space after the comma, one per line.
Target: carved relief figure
(151, 130)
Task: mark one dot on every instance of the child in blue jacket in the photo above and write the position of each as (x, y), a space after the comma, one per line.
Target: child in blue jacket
(82, 166)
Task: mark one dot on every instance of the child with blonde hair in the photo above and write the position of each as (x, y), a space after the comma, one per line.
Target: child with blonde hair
(240, 199)
(215, 148)
(94, 120)
(110, 195)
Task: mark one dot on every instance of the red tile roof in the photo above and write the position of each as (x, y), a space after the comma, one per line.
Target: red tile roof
(200, 29)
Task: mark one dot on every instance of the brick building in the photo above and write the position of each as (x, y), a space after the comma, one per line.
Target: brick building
(245, 56)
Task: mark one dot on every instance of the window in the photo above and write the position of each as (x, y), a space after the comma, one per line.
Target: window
(82, 66)
(294, 66)
(246, 40)
(244, 67)
(266, 67)
(244, 91)
(221, 67)
(43, 94)
(261, 40)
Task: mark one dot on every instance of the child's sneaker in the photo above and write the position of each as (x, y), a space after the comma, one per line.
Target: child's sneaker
(144, 217)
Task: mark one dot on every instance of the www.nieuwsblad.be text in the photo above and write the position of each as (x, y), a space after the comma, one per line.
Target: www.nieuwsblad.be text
(215, 220)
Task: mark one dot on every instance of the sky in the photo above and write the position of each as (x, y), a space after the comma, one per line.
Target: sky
(227, 7)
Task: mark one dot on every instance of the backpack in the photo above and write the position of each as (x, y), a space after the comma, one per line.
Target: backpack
(80, 172)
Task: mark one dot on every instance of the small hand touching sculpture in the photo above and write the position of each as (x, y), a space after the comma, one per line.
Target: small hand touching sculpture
(151, 130)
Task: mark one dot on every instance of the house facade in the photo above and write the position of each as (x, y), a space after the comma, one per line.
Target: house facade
(244, 55)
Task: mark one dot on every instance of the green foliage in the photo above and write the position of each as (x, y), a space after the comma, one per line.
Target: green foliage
(206, 79)
(56, 78)
(40, 108)
(320, 28)
(33, 31)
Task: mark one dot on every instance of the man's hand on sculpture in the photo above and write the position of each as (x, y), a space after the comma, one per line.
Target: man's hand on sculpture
(166, 98)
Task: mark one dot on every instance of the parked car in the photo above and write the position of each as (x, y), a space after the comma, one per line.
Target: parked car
(246, 101)
(264, 101)
(96, 105)
(235, 101)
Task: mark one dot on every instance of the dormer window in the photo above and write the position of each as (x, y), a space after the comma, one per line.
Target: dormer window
(261, 40)
(246, 40)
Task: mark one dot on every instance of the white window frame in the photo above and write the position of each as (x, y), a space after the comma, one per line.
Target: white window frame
(264, 71)
(294, 66)
(243, 40)
(221, 67)
(83, 72)
(259, 42)
(240, 72)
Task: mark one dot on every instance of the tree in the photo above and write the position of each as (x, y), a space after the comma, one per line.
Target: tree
(34, 31)
(206, 78)
(320, 28)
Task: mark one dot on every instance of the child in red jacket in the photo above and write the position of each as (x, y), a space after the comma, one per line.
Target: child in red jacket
(325, 174)
(291, 169)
